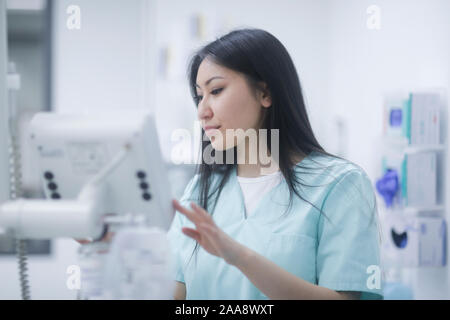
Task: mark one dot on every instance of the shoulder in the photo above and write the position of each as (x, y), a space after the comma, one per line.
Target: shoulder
(347, 184)
(329, 170)
(348, 195)
(339, 180)
(353, 185)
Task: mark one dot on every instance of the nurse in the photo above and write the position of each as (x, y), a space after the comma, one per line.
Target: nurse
(304, 228)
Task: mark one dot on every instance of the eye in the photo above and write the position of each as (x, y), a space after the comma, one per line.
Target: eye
(216, 91)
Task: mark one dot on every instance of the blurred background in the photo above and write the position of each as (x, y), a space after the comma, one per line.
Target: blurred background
(366, 67)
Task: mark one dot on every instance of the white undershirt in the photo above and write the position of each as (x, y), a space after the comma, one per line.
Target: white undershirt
(254, 189)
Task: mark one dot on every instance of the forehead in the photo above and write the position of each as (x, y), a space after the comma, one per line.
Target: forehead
(209, 69)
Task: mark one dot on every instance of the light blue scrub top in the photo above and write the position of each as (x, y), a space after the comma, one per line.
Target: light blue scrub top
(336, 251)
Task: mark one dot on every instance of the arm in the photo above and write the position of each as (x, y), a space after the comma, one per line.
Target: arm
(268, 277)
(277, 283)
(180, 291)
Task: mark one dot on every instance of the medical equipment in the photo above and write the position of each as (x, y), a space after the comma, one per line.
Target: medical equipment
(10, 182)
(388, 186)
(413, 118)
(99, 172)
(136, 266)
(92, 165)
(15, 169)
(412, 241)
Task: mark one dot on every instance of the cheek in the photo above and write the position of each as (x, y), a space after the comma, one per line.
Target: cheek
(237, 111)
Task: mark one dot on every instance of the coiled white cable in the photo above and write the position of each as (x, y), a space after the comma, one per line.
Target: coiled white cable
(15, 175)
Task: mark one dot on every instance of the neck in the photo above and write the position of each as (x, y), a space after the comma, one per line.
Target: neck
(254, 166)
(249, 170)
(255, 170)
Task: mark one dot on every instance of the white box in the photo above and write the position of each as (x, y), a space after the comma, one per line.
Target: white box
(411, 241)
(425, 118)
(421, 179)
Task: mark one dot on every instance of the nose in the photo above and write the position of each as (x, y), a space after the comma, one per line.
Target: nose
(204, 111)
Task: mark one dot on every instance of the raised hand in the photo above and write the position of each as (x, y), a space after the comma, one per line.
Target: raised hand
(208, 235)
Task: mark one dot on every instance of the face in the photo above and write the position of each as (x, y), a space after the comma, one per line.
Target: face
(226, 101)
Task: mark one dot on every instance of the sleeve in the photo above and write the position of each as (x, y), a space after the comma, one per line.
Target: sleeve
(348, 251)
(177, 240)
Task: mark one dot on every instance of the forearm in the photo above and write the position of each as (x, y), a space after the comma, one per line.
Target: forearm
(277, 283)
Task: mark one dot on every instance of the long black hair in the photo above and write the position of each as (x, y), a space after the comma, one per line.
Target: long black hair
(261, 58)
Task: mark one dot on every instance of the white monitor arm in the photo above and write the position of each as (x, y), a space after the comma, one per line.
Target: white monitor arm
(80, 218)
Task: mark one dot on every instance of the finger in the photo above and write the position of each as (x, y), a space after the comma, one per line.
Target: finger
(191, 215)
(201, 211)
(191, 233)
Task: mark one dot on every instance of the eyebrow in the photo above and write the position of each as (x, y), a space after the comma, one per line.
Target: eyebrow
(207, 82)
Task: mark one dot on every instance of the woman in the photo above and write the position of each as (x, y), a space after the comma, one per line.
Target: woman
(302, 229)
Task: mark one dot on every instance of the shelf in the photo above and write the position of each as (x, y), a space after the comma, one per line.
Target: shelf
(404, 147)
(416, 210)
(424, 148)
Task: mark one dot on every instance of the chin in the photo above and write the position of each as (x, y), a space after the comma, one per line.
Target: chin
(220, 146)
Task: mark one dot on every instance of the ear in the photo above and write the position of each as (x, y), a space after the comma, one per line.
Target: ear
(265, 96)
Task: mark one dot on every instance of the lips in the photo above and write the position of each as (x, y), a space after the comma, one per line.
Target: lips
(211, 131)
(208, 128)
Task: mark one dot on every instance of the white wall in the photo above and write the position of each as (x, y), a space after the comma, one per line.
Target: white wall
(411, 51)
(102, 64)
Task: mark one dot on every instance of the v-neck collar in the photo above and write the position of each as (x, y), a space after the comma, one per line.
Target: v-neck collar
(235, 184)
(237, 187)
